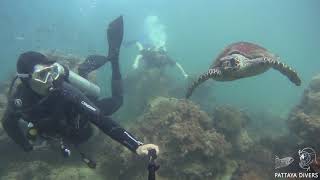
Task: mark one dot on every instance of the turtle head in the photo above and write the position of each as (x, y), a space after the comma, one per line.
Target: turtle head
(233, 62)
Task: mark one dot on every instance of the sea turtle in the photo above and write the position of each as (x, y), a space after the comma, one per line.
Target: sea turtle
(243, 59)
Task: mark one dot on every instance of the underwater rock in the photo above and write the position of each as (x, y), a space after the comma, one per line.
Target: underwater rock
(3, 103)
(304, 120)
(80, 173)
(36, 170)
(243, 141)
(5, 85)
(315, 83)
(141, 87)
(232, 123)
(39, 170)
(252, 171)
(251, 175)
(190, 148)
(229, 119)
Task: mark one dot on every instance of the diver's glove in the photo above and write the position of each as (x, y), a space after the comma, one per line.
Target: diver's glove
(144, 149)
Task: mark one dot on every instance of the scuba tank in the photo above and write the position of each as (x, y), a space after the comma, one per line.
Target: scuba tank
(84, 85)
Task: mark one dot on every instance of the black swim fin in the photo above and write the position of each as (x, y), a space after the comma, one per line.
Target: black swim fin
(115, 36)
(91, 63)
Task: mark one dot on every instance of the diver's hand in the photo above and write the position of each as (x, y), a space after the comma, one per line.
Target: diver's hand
(135, 66)
(143, 150)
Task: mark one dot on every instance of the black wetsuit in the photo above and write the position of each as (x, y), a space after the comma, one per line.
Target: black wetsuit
(67, 112)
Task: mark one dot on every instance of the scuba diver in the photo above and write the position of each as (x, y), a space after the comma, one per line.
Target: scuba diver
(56, 103)
(155, 57)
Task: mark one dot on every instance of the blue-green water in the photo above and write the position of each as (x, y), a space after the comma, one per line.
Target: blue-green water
(196, 32)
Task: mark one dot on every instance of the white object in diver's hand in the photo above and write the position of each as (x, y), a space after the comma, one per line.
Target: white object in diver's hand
(144, 149)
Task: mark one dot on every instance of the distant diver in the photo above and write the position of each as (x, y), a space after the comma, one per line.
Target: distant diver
(155, 57)
(59, 104)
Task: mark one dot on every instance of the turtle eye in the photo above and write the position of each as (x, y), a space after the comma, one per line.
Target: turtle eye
(233, 62)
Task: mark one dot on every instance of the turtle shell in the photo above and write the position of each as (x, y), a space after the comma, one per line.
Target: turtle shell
(247, 49)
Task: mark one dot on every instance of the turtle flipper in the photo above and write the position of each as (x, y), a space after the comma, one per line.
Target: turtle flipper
(285, 70)
(211, 73)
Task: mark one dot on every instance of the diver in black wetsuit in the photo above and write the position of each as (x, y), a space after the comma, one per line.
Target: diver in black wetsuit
(60, 103)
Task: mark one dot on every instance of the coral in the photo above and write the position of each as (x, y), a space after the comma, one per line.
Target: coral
(190, 147)
(4, 86)
(243, 142)
(140, 88)
(251, 175)
(39, 170)
(3, 103)
(229, 119)
(232, 122)
(81, 173)
(248, 170)
(36, 170)
(304, 120)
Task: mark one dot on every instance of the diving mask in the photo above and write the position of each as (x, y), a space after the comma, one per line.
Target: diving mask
(44, 74)
(43, 77)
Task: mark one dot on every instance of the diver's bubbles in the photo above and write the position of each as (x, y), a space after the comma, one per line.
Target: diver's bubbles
(155, 31)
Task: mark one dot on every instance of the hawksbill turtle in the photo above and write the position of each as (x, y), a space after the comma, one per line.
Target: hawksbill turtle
(241, 60)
